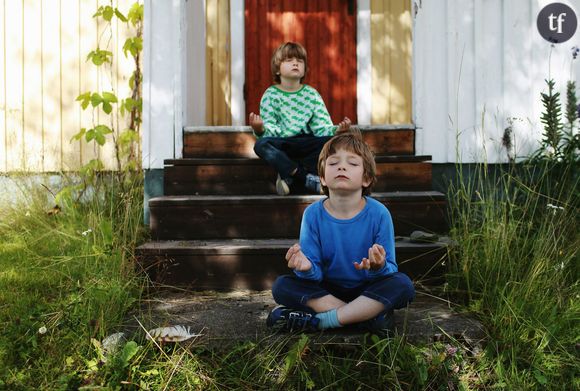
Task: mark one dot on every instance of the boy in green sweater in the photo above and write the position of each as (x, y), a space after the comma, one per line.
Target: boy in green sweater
(294, 123)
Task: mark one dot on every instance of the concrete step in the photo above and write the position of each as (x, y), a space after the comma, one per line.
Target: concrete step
(245, 176)
(255, 264)
(238, 141)
(260, 217)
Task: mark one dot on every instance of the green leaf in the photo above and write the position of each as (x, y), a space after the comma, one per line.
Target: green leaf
(107, 108)
(135, 14)
(99, 57)
(90, 135)
(108, 13)
(128, 136)
(120, 15)
(84, 99)
(79, 135)
(100, 138)
(96, 99)
(129, 351)
(109, 97)
(133, 45)
(103, 129)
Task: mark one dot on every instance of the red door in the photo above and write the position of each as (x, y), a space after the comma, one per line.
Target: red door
(326, 28)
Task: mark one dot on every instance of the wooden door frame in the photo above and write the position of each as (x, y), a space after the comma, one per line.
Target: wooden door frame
(238, 71)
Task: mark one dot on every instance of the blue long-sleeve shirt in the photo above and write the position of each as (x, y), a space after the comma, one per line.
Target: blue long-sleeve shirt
(332, 245)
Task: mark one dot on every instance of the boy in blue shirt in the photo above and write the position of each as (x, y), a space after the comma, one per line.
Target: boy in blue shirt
(344, 266)
(294, 123)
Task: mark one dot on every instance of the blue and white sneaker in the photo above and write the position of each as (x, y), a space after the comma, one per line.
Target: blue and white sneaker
(287, 319)
(312, 184)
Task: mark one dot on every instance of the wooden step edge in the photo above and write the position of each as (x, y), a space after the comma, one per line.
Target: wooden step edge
(429, 195)
(259, 162)
(248, 129)
(250, 246)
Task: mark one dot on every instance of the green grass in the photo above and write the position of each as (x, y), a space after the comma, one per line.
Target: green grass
(516, 267)
(70, 273)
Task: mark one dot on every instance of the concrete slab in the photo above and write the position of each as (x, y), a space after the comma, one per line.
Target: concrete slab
(229, 317)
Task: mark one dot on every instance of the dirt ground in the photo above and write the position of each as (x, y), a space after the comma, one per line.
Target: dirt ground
(223, 318)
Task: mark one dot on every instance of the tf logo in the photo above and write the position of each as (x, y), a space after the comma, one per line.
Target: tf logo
(557, 22)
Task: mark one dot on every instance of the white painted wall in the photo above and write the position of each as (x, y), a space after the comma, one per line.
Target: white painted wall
(163, 81)
(477, 63)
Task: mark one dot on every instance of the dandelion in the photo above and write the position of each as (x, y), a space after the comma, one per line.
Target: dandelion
(42, 330)
(88, 231)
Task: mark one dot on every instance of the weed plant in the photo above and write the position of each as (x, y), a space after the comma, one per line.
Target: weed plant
(67, 275)
(517, 266)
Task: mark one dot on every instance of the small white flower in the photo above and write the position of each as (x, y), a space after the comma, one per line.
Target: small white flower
(88, 231)
(27, 214)
(550, 151)
(554, 208)
(42, 330)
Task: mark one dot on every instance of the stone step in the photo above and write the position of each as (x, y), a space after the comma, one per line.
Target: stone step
(255, 264)
(245, 176)
(238, 141)
(259, 217)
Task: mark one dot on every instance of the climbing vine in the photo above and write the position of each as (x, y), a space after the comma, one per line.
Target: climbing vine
(126, 140)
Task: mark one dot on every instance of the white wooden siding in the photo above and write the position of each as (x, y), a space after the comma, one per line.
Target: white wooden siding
(477, 63)
(43, 69)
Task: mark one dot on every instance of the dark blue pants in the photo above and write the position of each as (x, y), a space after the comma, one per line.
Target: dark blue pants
(394, 291)
(286, 154)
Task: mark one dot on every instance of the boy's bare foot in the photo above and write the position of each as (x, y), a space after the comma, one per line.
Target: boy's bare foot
(256, 123)
(343, 125)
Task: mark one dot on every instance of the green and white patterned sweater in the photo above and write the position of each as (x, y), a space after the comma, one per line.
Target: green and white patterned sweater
(287, 114)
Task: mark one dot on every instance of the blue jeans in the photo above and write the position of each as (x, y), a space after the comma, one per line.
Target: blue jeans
(286, 154)
(394, 291)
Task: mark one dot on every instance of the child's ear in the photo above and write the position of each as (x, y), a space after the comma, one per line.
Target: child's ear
(366, 182)
(322, 181)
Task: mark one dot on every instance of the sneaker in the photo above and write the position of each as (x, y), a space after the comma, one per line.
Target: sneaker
(282, 186)
(287, 319)
(382, 326)
(312, 184)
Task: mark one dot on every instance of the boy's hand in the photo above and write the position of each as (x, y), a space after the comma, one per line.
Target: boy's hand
(297, 260)
(375, 261)
(343, 126)
(256, 123)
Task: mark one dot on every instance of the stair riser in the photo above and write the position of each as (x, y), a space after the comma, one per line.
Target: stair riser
(254, 221)
(260, 178)
(258, 271)
(220, 144)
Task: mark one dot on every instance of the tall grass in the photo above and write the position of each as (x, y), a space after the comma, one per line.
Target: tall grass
(517, 266)
(66, 276)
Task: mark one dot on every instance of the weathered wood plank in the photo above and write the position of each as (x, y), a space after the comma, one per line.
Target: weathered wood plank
(239, 142)
(253, 176)
(254, 264)
(14, 105)
(211, 217)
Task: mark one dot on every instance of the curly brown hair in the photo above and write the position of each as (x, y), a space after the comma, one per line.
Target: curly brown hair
(285, 51)
(351, 141)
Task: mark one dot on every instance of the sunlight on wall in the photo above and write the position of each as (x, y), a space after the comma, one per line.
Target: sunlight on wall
(43, 69)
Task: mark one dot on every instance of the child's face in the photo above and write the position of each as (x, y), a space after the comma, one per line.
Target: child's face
(292, 68)
(344, 172)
